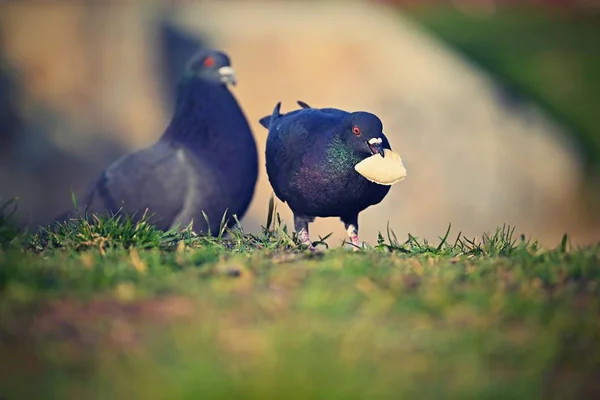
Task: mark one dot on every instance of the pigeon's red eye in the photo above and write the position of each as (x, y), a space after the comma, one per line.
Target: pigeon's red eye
(356, 130)
(209, 61)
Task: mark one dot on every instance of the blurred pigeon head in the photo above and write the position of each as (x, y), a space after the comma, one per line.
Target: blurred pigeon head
(213, 66)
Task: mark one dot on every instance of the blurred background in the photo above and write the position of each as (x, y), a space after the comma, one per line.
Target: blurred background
(492, 104)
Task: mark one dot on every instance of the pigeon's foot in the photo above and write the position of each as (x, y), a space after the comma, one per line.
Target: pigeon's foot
(351, 225)
(301, 225)
(305, 239)
(310, 246)
(356, 246)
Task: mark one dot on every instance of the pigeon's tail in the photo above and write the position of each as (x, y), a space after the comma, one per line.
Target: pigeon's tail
(266, 121)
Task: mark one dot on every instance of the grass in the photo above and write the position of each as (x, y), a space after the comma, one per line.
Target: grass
(110, 308)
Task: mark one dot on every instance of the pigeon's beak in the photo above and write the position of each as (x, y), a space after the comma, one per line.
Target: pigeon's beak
(376, 147)
(227, 75)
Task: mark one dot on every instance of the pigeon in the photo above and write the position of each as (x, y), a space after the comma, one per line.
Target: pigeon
(206, 161)
(311, 155)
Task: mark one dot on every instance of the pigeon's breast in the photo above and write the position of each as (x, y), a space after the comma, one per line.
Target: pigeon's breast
(332, 189)
(217, 143)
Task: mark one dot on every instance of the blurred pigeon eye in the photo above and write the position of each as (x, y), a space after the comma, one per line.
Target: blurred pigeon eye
(356, 130)
(209, 62)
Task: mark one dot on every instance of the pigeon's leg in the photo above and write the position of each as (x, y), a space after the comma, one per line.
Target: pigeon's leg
(351, 225)
(301, 225)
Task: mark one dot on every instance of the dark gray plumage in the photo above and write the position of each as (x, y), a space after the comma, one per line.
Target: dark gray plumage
(205, 161)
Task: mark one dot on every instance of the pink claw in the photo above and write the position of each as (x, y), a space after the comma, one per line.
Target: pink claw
(304, 239)
(355, 242)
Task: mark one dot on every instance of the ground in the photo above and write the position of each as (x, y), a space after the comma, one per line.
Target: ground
(119, 310)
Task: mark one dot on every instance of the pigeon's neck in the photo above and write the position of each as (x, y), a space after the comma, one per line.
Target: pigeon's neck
(340, 155)
(196, 100)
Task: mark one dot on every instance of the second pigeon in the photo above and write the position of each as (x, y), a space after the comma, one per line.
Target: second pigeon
(206, 160)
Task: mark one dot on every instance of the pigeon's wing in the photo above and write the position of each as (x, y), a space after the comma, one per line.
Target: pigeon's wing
(290, 137)
(332, 111)
(314, 113)
(301, 124)
(155, 178)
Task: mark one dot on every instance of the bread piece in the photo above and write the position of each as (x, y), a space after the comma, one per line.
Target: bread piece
(382, 170)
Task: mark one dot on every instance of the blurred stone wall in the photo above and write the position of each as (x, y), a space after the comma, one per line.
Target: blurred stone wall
(472, 159)
(86, 89)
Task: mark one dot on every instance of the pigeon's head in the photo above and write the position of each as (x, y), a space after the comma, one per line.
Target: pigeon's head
(364, 132)
(213, 66)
